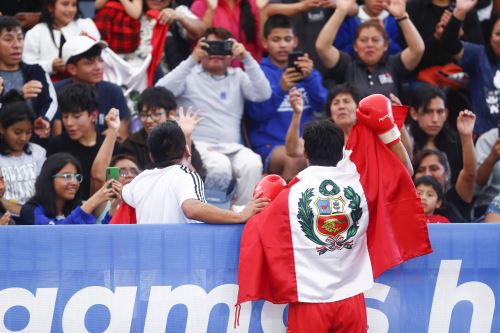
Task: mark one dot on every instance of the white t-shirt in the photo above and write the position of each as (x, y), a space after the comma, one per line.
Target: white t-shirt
(20, 172)
(157, 194)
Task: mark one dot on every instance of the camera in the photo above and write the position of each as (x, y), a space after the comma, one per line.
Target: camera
(219, 47)
(292, 57)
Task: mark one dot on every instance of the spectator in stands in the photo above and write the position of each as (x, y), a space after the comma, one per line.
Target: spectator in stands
(268, 121)
(170, 192)
(340, 107)
(493, 211)
(27, 12)
(432, 162)
(431, 194)
(82, 55)
(119, 24)
(57, 199)
(157, 105)
(43, 43)
(20, 160)
(481, 63)
(371, 10)
(488, 171)
(240, 18)
(372, 71)
(430, 18)
(5, 218)
(219, 92)
(31, 80)
(79, 110)
(308, 19)
(429, 128)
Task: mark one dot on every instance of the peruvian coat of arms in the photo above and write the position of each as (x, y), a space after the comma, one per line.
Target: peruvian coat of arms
(327, 223)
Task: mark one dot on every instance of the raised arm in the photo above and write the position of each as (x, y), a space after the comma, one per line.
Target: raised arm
(465, 181)
(485, 169)
(294, 144)
(327, 52)
(103, 157)
(132, 7)
(450, 37)
(413, 53)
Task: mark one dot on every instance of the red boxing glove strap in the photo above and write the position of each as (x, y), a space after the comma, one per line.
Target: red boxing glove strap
(390, 137)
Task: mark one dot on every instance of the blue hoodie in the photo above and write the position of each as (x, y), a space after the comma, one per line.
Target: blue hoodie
(268, 121)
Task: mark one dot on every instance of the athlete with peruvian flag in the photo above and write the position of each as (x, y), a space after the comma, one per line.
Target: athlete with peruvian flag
(349, 216)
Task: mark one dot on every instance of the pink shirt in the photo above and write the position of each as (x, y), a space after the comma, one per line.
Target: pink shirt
(228, 18)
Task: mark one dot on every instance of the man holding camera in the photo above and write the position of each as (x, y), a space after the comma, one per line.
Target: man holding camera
(206, 81)
(269, 120)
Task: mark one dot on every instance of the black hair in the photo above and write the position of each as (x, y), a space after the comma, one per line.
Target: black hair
(77, 97)
(487, 42)
(9, 23)
(247, 21)
(277, 22)
(14, 109)
(442, 158)
(166, 143)
(446, 138)
(115, 159)
(219, 32)
(48, 18)
(323, 142)
(373, 23)
(344, 88)
(44, 186)
(431, 181)
(156, 97)
(93, 52)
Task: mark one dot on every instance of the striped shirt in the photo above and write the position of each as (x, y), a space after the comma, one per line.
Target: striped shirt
(157, 194)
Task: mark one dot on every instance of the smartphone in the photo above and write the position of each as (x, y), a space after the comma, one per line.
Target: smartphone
(292, 57)
(112, 173)
(219, 47)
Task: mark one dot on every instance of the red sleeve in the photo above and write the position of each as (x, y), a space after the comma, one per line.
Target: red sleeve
(199, 7)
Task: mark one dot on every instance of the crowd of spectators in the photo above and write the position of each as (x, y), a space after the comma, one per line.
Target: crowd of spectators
(80, 93)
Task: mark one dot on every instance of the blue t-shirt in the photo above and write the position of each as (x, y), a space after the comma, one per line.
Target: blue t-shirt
(109, 95)
(484, 86)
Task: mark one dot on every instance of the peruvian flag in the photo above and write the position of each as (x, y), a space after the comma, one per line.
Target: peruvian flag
(333, 230)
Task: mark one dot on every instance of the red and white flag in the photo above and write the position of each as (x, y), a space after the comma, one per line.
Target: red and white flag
(333, 230)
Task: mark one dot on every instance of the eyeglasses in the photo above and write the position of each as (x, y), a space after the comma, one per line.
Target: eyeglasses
(154, 115)
(69, 177)
(132, 172)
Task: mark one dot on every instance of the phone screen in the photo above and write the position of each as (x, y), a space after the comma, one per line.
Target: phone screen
(293, 56)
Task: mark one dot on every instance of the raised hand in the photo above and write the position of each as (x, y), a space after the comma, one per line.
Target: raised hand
(289, 78)
(212, 4)
(396, 8)
(375, 112)
(296, 101)
(199, 51)
(465, 122)
(4, 220)
(31, 89)
(465, 6)
(41, 127)
(305, 64)
(344, 5)
(239, 51)
(188, 119)
(112, 119)
(167, 16)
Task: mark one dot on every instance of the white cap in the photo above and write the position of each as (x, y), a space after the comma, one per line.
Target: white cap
(76, 45)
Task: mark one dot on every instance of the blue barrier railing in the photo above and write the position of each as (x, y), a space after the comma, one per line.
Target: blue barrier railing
(182, 278)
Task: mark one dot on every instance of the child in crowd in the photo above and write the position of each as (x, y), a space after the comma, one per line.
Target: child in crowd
(43, 43)
(20, 160)
(432, 197)
(4, 213)
(57, 198)
(268, 120)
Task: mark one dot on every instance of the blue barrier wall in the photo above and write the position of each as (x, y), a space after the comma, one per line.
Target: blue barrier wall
(182, 278)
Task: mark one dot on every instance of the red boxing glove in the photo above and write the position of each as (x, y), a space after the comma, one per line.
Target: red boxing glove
(270, 186)
(375, 112)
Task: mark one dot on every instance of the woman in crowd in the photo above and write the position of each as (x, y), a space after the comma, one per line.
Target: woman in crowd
(43, 43)
(429, 128)
(481, 62)
(20, 160)
(57, 198)
(371, 70)
(432, 162)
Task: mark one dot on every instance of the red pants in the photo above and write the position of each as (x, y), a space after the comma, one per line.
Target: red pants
(345, 316)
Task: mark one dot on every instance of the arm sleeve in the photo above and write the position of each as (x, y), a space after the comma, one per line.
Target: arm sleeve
(175, 81)
(254, 83)
(77, 216)
(45, 105)
(449, 38)
(190, 187)
(31, 50)
(264, 110)
(199, 7)
(339, 71)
